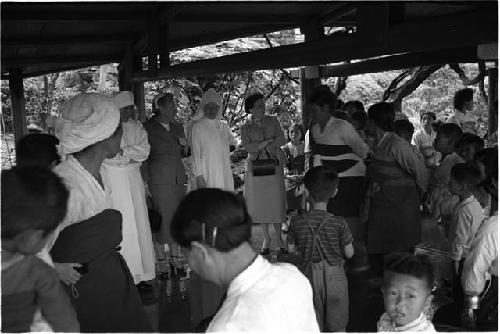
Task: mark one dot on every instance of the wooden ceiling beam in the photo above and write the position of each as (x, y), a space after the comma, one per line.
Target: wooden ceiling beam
(71, 67)
(76, 14)
(335, 13)
(64, 40)
(240, 18)
(401, 61)
(436, 34)
(57, 60)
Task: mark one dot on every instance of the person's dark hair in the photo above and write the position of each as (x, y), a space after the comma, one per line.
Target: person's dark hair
(451, 131)
(250, 101)
(429, 113)
(341, 114)
(383, 115)
(419, 266)
(466, 174)
(211, 208)
(462, 96)
(165, 98)
(297, 127)
(469, 139)
(436, 125)
(321, 96)
(354, 106)
(402, 126)
(489, 158)
(32, 198)
(340, 104)
(37, 150)
(321, 182)
(361, 117)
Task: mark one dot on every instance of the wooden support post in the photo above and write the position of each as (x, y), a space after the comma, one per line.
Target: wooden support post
(309, 75)
(138, 89)
(17, 103)
(125, 71)
(164, 47)
(153, 44)
(492, 105)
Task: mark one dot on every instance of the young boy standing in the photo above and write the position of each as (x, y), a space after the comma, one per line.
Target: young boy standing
(323, 240)
(466, 219)
(408, 283)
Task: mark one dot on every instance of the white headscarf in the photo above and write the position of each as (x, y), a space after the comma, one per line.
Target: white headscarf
(209, 96)
(86, 119)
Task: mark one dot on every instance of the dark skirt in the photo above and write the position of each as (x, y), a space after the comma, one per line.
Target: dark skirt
(348, 200)
(394, 222)
(105, 298)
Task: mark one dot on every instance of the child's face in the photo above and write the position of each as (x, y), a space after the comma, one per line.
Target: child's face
(405, 297)
(30, 241)
(443, 144)
(467, 152)
(294, 135)
(456, 188)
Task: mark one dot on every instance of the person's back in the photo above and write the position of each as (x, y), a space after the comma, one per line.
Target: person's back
(267, 297)
(323, 240)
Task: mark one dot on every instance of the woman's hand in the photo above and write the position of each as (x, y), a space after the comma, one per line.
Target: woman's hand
(200, 182)
(67, 272)
(264, 144)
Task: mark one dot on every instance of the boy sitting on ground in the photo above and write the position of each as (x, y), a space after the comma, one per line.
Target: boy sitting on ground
(323, 240)
(408, 283)
(466, 219)
(33, 204)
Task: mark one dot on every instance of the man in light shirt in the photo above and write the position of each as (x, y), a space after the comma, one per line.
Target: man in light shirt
(463, 102)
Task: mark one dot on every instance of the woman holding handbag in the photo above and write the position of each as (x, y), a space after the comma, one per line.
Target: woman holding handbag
(264, 191)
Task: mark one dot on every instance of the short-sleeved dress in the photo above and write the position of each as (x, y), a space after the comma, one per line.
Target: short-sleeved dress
(265, 196)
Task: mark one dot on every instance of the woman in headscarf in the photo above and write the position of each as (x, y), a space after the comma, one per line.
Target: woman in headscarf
(397, 178)
(104, 296)
(164, 171)
(265, 195)
(210, 138)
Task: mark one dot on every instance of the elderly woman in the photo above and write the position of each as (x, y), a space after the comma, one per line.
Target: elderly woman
(213, 228)
(164, 171)
(265, 195)
(210, 139)
(103, 290)
(397, 178)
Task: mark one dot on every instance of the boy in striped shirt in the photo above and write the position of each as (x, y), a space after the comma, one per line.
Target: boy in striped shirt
(323, 240)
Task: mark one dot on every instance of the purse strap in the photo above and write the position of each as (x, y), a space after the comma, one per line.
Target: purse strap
(267, 152)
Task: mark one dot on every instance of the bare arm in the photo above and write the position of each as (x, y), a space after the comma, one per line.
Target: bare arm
(349, 251)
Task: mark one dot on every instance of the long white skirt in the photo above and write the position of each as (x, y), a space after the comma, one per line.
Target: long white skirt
(128, 197)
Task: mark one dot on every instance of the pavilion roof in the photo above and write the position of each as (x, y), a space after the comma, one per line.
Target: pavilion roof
(41, 38)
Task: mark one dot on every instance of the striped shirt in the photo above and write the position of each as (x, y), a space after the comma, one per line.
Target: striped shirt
(332, 238)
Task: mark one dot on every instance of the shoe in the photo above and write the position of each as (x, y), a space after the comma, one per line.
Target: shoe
(265, 251)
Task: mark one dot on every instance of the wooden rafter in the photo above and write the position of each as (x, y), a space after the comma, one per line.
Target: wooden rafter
(64, 40)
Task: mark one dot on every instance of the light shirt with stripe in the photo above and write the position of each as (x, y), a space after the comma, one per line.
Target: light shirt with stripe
(334, 236)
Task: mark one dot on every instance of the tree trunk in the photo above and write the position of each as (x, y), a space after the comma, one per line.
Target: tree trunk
(103, 73)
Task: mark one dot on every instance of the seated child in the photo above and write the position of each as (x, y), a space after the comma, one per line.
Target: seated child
(323, 240)
(33, 204)
(408, 283)
(294, 152)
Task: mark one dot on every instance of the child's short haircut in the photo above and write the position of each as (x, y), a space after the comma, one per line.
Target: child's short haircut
(321, 182)
(469, 139)
(418, 266)
(462, 96)
(430, 114)
(38, 150)
(354, 106)
(466, 174)
(451, 131)
(402, 126)
(32, 198)
(489, 158)
(297, 127)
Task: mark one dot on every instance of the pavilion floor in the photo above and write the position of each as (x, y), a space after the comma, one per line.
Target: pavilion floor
(171, 313)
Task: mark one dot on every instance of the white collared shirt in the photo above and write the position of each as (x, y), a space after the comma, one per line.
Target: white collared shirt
(421, 324)
(467, 123)
(482, 260)
(267, 297)
(467, 217)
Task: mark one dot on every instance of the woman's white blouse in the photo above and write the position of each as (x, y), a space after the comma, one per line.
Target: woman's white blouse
(267, 297)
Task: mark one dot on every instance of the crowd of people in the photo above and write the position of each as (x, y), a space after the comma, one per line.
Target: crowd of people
(78, 246)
